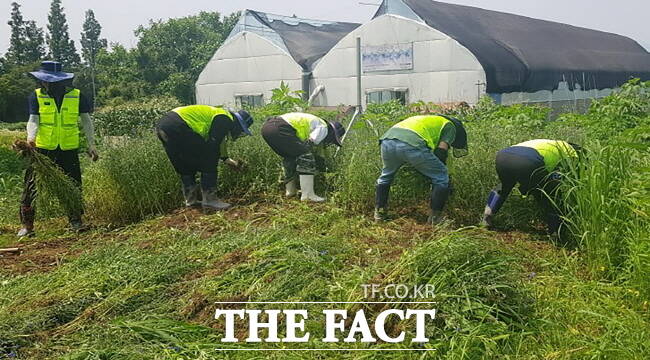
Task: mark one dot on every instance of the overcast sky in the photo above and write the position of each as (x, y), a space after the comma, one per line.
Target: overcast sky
(120, 17)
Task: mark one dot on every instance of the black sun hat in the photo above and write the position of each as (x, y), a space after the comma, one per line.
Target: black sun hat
(460, 142)
(336, 130)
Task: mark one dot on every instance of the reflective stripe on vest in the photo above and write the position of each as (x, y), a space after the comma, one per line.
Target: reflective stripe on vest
(552, 151)
(58, 128)
(199, 117)
(302, 123)
(428, 127)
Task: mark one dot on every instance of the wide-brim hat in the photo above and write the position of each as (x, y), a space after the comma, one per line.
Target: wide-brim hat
(337, 130)
(245, 121)
(51, 72)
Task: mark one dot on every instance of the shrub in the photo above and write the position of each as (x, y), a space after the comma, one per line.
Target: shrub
(626, 108)
(132, 118)
(17, 126)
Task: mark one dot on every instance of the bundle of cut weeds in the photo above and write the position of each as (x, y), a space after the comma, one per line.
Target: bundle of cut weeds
(51, 182)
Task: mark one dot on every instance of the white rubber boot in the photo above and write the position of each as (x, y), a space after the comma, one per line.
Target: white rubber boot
(211, 201)
(307, 188)
(291, 189)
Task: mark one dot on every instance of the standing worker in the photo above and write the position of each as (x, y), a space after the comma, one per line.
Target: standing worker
(53, 130)
(533, 165)
(423, 142)
(294, 136)
(195, 138)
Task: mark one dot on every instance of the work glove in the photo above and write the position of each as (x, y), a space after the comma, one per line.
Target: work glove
(93, 154)
(441, 154)
(310, 144)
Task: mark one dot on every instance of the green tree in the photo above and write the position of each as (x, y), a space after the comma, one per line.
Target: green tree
(26, 44)
(17, 39)
(61, 47)
(34, 42)
(118, 77)
(178, 50)
(15, 87)
(91, 44)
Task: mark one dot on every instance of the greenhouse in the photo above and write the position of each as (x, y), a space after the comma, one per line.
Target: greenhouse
(421, 50)
(262, 51)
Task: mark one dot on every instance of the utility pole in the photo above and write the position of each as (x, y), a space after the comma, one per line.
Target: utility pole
(478, 89)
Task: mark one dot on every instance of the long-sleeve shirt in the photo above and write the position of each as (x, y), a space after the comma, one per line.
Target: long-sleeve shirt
(318, 129)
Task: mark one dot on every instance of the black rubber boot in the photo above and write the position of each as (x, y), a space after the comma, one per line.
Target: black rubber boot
(381, 202)
(439, 196)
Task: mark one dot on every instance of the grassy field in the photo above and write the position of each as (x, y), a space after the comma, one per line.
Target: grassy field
(142, 283)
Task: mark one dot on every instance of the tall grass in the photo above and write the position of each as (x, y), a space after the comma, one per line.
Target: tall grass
(11, 178)
(132, 180)
(607, 210)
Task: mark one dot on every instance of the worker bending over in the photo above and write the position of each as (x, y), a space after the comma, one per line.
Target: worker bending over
(422, 142)
(534, 166)
(195, 138)
(294, 136)
(53, 130)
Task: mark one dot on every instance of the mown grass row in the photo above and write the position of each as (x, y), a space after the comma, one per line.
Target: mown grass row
(148, 292)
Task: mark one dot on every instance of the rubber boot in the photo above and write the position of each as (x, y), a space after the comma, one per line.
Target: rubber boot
(27, 216)
(192, 195)
(211, 201)
(381, 202)
(439, 196)
(307, 188)
(291, 189)
(76, 224)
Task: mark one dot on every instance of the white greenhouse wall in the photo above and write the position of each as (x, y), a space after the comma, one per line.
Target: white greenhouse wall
(443, 70)
(246, 65)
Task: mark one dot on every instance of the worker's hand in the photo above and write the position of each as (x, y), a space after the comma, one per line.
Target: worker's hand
(310, 144)
(235, 165)
(92, 153)
(31, 144)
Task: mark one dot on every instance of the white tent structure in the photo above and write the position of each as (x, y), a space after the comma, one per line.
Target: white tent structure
(423, 50)
(443, 71)
(262, 51)
(420, 50)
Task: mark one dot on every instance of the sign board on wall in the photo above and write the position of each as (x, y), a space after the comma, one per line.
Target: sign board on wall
(387, 57)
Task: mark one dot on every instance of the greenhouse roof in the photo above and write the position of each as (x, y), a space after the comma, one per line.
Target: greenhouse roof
(305, 40)
(522, 54)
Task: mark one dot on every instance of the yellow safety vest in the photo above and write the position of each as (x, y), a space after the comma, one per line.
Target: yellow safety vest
(428, 127)
(552, 151)
(302, 123)
(199, 117)
(58, 128)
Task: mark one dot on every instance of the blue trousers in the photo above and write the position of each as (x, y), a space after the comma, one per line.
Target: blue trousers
(396, 153)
